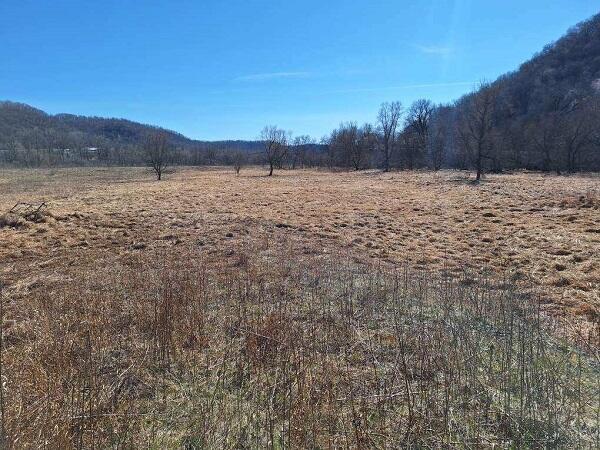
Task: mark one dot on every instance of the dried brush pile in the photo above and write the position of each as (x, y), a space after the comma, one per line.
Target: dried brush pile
(21, 213)
(11, 220)
(165, 352)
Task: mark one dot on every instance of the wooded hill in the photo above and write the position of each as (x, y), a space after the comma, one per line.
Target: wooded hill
(30, 136)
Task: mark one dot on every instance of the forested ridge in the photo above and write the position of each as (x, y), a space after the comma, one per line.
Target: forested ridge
(543, 116)
(31, 137)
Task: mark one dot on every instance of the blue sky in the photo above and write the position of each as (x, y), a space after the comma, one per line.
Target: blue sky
(223, 69)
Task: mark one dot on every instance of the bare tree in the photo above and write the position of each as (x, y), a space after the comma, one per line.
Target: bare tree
(238, 160)
(546, 131)
(299, 150)
(475, 129)
(417, 123)
(545, 138)
(344, 146)
(367, 143)
(578, 134)
(437, 146)
(513, 142)
(352, 147)
(275, 143)
(211, 156)
(158, 153)
(388, 118)
(12, 152)
(440, 136)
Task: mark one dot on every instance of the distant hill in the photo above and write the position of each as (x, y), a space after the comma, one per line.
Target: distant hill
(566, 69)
(546, 114)
(29, 127)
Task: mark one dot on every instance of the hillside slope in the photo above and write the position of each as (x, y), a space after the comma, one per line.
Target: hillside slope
(29, 127)
(544, 116)
(567, 68)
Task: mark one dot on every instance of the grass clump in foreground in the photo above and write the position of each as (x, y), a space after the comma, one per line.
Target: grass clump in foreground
(286, 353)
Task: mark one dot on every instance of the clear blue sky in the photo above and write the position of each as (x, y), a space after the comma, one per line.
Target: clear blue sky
(223, 69)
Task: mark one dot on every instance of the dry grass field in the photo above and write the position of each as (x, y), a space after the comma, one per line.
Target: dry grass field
(544, 230)
(309, 309)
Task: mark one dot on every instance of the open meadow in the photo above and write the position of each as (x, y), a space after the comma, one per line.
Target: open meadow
(541, 229)
(360, 309)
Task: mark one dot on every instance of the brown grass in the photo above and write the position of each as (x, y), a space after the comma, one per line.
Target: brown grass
(543, 229)
(307, 310)
(166, 350)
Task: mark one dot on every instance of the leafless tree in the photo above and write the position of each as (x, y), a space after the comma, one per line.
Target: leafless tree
(417, 123)
(238, 160)
(343, 144)
(475, 128)
(440, 136)
(158, 153)
(545, 135)
(513, 144)
(11, 152)
(367, 143)
(275, 143)
(211, 156)
(437, 147)
(388, 119)
(351, 146)
(299, 151)
(579, 129)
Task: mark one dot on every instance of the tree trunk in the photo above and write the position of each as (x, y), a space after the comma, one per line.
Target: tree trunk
(386, 162)
(270, 169)
(478, 177)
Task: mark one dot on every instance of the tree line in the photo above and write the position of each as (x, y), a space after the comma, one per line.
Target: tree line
(477, 132)
(482, 131)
